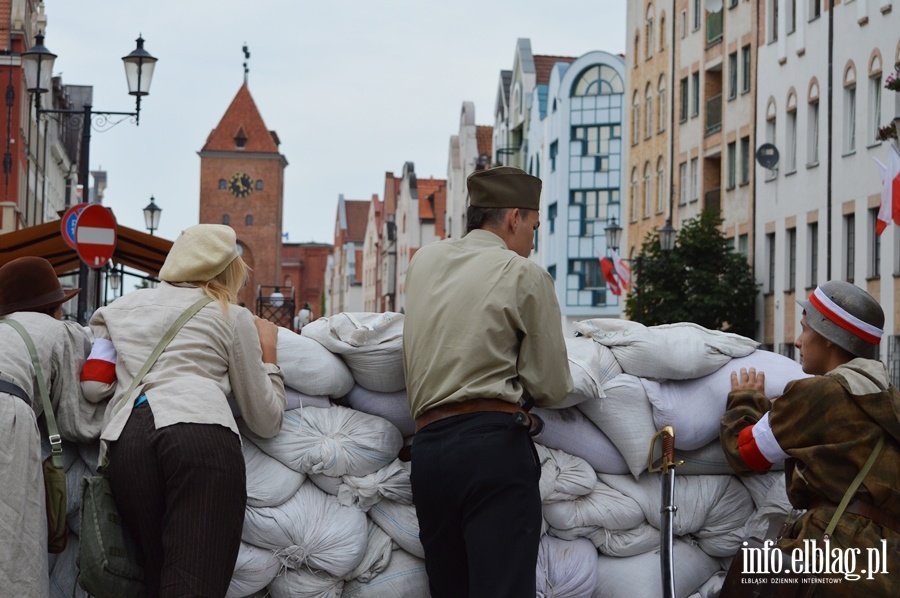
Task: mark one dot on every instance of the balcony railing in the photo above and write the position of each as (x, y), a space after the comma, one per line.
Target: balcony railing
(714, 26)
(714, 114)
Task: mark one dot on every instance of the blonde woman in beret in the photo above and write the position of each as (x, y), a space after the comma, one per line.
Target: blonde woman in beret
(175, 462)
(31, 295)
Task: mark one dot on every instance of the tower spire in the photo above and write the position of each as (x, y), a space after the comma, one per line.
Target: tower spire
(246, 62)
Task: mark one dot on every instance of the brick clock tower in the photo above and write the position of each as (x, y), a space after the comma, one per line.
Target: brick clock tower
(242, 185)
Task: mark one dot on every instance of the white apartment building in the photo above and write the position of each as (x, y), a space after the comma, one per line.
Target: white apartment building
(816, 208)
(574, 144)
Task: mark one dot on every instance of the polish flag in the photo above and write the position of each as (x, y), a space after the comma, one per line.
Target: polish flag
(890, 191)
(609, 273)
(622, 270)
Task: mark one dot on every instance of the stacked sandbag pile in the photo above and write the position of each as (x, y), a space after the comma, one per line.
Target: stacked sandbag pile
(330, 511)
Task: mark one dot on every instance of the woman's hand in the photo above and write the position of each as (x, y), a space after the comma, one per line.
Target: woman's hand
(749, 379)
(268, 339)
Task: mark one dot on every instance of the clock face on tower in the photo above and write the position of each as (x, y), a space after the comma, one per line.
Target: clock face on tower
(240, 185)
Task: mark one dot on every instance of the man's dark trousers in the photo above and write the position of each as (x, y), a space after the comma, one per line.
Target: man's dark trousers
(475, 488)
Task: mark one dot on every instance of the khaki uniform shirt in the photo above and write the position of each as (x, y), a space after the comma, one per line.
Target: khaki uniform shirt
(211, 361)
(481, 322)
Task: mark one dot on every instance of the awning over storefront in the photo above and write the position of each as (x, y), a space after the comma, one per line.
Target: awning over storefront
(134, 249)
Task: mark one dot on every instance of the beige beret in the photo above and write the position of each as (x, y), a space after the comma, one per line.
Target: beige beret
(200, 253)
(504, 187)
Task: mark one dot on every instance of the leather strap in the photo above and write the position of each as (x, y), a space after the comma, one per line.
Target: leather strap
(15, 390)
(863, 509)
(440, 412)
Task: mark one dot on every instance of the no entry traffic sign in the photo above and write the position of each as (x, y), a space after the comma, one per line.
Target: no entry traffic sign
(95, 235)
(67, 224)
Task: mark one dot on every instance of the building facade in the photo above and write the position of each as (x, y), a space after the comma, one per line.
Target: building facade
(470, 150)
(817, 204)
(345, 276)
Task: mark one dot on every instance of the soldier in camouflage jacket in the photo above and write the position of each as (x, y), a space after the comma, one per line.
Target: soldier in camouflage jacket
(825, 428)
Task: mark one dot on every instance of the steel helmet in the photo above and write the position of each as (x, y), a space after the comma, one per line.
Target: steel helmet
(847, 316)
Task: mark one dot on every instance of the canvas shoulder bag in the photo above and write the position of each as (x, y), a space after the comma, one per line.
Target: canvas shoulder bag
(54, 474)
(108, 560)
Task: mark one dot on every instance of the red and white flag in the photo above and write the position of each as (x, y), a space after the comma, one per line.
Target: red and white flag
(609, 273)
(622, 270)
(890, 191)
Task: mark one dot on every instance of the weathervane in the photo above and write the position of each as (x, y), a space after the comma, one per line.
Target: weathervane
(246, 61)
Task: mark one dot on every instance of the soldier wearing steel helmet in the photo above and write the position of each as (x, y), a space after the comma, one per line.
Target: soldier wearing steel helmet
(825, 428)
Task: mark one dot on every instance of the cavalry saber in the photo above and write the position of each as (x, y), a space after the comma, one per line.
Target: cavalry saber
(667, 506)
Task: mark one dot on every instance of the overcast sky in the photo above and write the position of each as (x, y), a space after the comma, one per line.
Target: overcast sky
(354, 89)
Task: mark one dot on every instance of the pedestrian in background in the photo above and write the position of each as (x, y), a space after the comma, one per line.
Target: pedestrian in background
(176, 467)
(482, 330)
(31, 295)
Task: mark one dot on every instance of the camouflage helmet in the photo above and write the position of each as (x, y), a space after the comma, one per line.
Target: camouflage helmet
(847, 316)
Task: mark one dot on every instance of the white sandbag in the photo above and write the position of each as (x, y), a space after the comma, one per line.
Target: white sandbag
(64, 573)
(371, 344)
(379, 548)
(310, 530)
(305, 583)
(563, 476)
(326, 483)
(767, 489)
(255, 568)
(269, 482)
(680, 351)
(399, 521)
(711, 587)
(335, 441)
(638, 576)
(591, 365)
(294, 399)
(626, 417)
(694, 407)
(604, 507)
(626, 542)
(405, 576)
(570, 431)
(311, 368)
(566, 569)
(392, 406)
(707, 460)
(712, 509)
(390, 482)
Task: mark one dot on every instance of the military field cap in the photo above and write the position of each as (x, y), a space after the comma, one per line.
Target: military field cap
(30, 284)
(504, 187)
(200, 253)
(847, 316)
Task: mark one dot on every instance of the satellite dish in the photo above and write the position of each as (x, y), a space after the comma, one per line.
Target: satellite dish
(767, 155)
(713, 5)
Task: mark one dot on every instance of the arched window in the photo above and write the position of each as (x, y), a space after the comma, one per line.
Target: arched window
(596, 80)
(248, 220)
(649, 26)
(634, 195)
(662, 32)
(662, 103)
(648, 190)
(635, 118)
(223, 184)
(637, 45)
(259, 185)
(226, 219)
(648, 108)
(660, 185)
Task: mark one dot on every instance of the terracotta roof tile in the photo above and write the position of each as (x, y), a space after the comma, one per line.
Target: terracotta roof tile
(426, 189)
(544, 64)
(242, 116)
(357, 219)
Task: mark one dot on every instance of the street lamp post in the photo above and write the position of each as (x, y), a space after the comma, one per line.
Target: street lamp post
(151, 215)
(666, 243)
(37, 64)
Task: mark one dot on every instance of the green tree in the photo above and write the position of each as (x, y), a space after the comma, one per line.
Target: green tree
(702, 280)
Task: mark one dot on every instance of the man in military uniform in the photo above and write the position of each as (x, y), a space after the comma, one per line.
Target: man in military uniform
(482, 329)
(826, 427)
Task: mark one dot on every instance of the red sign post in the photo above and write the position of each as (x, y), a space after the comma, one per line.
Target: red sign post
(95, 235)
